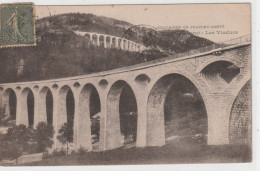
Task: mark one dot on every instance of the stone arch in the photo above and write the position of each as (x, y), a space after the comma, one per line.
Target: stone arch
(27, 107)
(10, 103)
(138, 48)
(114, 43)
(103, 83)
(55, 86)
(88, 38)
(1, 97)
(87, 35)
(235, 62)
(132, 46)
(95, 40)
(120, 44)
(158, 104)
(129, 45)
(36, 87)
(142, 80)
(125, 44)
(45, 107)
(65, 114)
(102, 41)
(76, 85)
(240, 121)
(108, 41)
(88, 117)
(219, 74)
(115, 114)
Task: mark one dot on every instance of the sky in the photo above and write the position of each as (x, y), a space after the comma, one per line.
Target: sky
(234, 18)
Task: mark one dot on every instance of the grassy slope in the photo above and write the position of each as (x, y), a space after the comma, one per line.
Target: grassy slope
(176, 152)
(181, 150)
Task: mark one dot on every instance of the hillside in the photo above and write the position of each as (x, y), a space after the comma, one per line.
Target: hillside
(173, 40)
(62, 53)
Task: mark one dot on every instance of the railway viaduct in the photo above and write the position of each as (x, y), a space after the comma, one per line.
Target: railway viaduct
(226, 96)
(110, 41)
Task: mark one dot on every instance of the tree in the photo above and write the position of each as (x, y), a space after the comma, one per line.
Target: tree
(66, 134)
(128, 124)
(10, 150)
(43, 136)
(18, 134)
(15, 141)
(2, 117)
(2, 152)
(95, 127)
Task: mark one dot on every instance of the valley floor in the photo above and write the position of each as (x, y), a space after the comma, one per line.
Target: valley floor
(178, 151)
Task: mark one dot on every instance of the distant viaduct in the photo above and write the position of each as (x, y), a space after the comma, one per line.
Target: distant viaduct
(109, 41)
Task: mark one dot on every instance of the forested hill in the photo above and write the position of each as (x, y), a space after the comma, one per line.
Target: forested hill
(62, 53)
(173, 40)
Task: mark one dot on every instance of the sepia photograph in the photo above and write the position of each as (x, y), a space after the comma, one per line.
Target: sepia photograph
(125, 84)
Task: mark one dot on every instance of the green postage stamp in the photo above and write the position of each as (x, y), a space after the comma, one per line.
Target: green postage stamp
(17, 25)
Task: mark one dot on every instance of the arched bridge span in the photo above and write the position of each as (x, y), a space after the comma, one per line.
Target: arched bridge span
(149, 82)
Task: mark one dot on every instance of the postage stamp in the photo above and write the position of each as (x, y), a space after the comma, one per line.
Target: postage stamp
(17, 25)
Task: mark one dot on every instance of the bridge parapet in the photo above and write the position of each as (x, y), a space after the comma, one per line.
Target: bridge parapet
(221, 45)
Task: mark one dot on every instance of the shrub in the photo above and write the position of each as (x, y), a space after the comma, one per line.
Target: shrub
(61, 152)
(82, 151)
(32, 148)
(46, 155)
(73, 152)
(10, 150)
(95, 126)
(129, 124)
(3, 121)
(54, 152)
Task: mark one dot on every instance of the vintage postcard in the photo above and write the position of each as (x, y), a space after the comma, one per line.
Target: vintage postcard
(125, 84)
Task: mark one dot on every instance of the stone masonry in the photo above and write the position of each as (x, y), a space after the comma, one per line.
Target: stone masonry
(149, 82)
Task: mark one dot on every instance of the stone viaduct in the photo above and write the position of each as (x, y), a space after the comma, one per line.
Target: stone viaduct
(150, 83)
(109, 41)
